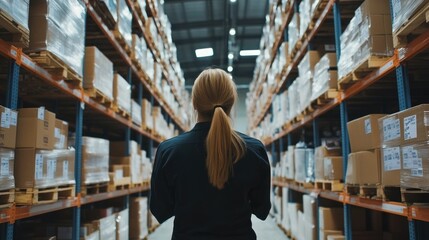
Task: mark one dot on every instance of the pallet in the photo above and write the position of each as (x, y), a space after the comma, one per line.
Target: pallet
(329, 185)
(121, 40)
(372, 191)
(304, 184)
(325, 97)
(100, 97)
(298, 46)
(391, 193)
(141, 13)
(121, 111)
(319, 9)
(35, 196)
(414, 195)
(367, 66)
(102, 11)
(116, 184)
(416, 25)
(12, 31)
(94, 188)
(7, 198)
(56, 67)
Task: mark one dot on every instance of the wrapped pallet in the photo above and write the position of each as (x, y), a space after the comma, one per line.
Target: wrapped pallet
(107, 227)
(136, 112)
(325, 77)
(124, 21)
(294, 98)
(319, 155)
(56, 29)
(403, 10)
(121, 93)
(44, 168)
(305, 16)
(138, 218)
(98, 73)
(368, 34)
(306, 74)
(8, 127)
(293, 32)
(122, 225)
(136, 49)
(7, 180)
(18, 10)
(95, 160)
(147, 122)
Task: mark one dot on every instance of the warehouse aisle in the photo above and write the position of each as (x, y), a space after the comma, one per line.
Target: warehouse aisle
(264, 230)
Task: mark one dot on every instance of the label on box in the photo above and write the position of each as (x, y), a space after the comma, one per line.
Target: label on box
(392, 159)
(41, 113)
(57, 133)
(13, 118)
(391, 129)
(5, 118)
(396, 5)
(62, 140)
(410, 157)
(4, 171)
(417, 172)
(65, 169)
(38, 167)
(410, 127)
(51, 167)
(368, 129)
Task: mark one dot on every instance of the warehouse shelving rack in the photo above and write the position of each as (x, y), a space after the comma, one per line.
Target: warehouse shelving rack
(395, 65)
(78, 106)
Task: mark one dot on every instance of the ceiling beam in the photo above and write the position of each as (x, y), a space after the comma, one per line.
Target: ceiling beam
(217, 23)
(213, 39)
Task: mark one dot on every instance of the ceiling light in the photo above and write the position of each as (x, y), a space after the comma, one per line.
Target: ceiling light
(233, 1)
(230, 68)
(204, 52)
(250, 52)
(230, 56)
(232, 31)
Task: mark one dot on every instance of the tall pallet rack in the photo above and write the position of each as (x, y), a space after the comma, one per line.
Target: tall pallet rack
(72, 104)
(417, 215)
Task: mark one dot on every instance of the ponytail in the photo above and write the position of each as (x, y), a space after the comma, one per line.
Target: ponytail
(224, 148)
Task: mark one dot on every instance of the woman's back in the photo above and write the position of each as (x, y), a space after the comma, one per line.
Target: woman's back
(201, 210)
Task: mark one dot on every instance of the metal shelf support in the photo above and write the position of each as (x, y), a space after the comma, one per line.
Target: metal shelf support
(404, 95)
(12, 90)
(78, 166)
(139, 102)
(316, 137)
(337, 28)
(412, 230)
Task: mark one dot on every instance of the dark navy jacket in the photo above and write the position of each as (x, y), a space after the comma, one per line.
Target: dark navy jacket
(180, 188)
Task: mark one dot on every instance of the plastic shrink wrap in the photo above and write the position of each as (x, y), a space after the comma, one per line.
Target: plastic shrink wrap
(124, 21)
(111, 6)
(98, 72)
(325, 77)
(95, 160)
(293, 32)
(136, 112)
(138, 218)
(107, 227)
(122, 92)
(402, 10)
(294, 105)
(122, 221)
(58, 26)
(7, 180)
(305, 17)
(17, 9)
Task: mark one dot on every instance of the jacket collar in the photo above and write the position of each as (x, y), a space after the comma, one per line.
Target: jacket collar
(202, 126)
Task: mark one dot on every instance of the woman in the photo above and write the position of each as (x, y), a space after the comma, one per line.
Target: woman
(211, 178)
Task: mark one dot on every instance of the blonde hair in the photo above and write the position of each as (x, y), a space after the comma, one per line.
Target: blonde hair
(213, 96)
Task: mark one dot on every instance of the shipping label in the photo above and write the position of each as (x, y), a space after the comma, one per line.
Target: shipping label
(41, 113)
(4, 171)
(392, 159)
(417, 172)
(38, 167)
(51, 167)
(5, 118)
(57, 133)
(65, 169)
(410, 127)
(368, 129)
(13, 118)
(391, 129)
(409, 157)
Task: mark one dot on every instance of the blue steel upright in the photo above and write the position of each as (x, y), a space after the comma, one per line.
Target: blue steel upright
(78, 166)
(404, 95)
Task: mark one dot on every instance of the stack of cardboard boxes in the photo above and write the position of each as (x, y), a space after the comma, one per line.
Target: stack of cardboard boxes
(98, 73)
(305, 80)
(325, 75)
(139, 218)
(8, 127)
(121, 93)
(331, 222)
(131, 165)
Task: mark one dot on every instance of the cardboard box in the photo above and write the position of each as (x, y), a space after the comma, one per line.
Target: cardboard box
(415, 168)
(147, 122)
(61, 133)
(364, 133)
(323, 234)
(139, 217)
(117, 148)
(7, 158)
(390, 128)
(331, 218)
(310, 231)
(333, 168)
(107, 227)
(309, 205)
(391, 165)
(8, 124)
(36, 128)
(319, 154)
(415, 124)
(43, 168)
(121, 93)
(364, 167)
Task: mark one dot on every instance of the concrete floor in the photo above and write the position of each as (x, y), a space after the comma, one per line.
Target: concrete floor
(267, 229)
